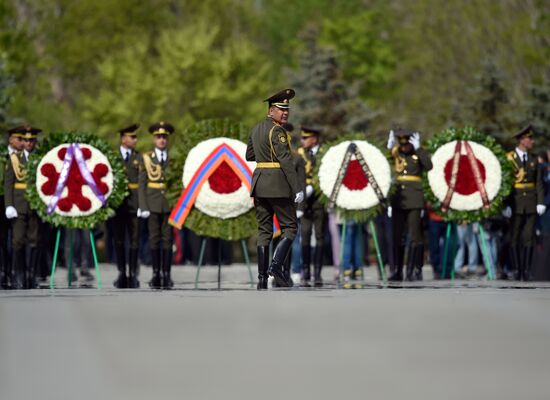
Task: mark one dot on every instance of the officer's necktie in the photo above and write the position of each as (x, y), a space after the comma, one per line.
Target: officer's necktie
(162, 158)
(126, 156)
(524, 160)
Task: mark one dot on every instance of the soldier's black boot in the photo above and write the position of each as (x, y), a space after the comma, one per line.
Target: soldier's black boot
(397, 275)
(279, 256)
(516, 262)
(133, 280)
(31, 282)
(263, 262)
(166, 280)
(286, 266)
(3, 270)
(18, 278)
(527, 261)
(154, 283)
(419, 263)
(306, 262)
(121, 281)
(411, 260)
(318, 266)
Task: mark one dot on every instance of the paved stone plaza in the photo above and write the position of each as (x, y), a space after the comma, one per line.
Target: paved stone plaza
(436, 340)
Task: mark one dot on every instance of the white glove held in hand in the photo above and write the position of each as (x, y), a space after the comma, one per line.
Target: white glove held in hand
(389, 211)
(299, 197)
(299, 214)
(309, 191)
(391, 140)
(415, 140)
(541, 209)
(138, 213)
(507, 212)
(11, 212)
(145, 214)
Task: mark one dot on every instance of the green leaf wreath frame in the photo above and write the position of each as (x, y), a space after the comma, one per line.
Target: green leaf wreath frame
(348, 215)
(118, 193)
(241, 227)
(498, 203)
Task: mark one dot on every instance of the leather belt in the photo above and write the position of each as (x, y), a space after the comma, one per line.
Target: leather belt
(133, 186)
(19, 185)
(524, 185)
(409, 178)
(155, 185)
(268, 165)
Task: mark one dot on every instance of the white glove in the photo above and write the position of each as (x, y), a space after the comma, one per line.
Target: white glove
(541, 209)
(299, 197)
(415, 140)
(299, 214)
(391, 140)
(507, 212)
(309, 191)
(389, 211)
(422, 213)
(145, 214)
(138, 213)
(11, 212)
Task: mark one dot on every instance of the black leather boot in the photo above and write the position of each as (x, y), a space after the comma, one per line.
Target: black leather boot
(397, 275)
(419, 262)
(279, 257)
(515, 260)
(411, 260)
(133, 267)
(31, 282)
(4, 269)
(306, 262)
(263, 262)
(121, 281)
(18, 278)
(527, 261)
(154, 283)
(318, 266)
(166, 280)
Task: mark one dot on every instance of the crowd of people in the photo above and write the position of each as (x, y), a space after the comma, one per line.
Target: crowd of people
(513, 245)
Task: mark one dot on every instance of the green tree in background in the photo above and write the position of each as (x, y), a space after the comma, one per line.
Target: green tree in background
(538, 111)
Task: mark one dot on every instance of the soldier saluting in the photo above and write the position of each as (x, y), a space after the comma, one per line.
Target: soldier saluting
(126, 217)
(525, 202)
(275, 187)
(154, 205)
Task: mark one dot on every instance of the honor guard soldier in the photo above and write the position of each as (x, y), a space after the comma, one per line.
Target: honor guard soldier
(126, 217)
(154, 205)
(275, 187)
(314, 212)
(524, 203)
(25, 222)
(407, 202)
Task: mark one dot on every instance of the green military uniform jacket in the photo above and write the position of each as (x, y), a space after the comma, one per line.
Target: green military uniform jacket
(275, 174)
(132, 167)
(14, 183)
(3, 166)
(528, 190)
(408, 178)
(152, 184)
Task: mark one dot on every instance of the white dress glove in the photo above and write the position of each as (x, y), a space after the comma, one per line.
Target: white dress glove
(422, 213)
(415, 140)
(389, 211)
(299, 214)
(11, 212)
(145, 214)
(391, 140)
(299, 197)
(541, 209)
(507, 212)
(138, 213)
(309, 191)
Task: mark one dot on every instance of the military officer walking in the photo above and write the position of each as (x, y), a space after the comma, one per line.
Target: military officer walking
(407, 202)
(125, 220)
(154, 205)
(314, 214)
(275, 187)
(25, 222)
(524, 203)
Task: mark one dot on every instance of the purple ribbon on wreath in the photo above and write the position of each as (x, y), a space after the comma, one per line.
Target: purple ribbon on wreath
(74, 152)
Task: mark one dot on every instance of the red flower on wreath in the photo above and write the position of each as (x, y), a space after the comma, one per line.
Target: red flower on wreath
(75, 181)
(355, 178)
(465, 183)
(223, 180)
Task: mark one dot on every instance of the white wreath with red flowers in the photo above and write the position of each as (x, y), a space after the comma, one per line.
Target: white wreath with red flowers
(77, 199)
(223, 195)
(466, 196)
(355, 193)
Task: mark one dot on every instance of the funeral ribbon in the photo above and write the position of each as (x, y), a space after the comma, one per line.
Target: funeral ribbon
(368, 173)
(477, 175)
(454, 177)
(187, 198)
(73, 152)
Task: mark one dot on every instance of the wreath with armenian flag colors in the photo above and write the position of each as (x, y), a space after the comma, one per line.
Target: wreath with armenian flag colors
(353, 176)
(75, 180)
(209, 163)
(471, 176)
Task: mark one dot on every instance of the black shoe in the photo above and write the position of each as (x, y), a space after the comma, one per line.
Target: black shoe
(86, 275)
(133, 281)
(318, 266)
(121, 281)
(263, 261)
(279, 256)
(155, 282)
(166, 279)
(397, 276)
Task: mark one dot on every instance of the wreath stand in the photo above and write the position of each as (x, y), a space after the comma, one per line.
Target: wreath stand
(70, 265)
(201, 259)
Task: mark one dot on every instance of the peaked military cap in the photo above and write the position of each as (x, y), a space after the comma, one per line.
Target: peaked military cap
(25, 131)
(161, 128)
(309, 132)
(527, 131)
(281, 99)
(129, 130)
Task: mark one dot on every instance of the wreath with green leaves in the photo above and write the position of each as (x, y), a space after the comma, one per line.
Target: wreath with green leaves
(467, 203)
(94, 152)
(359, 202)
(236, 228)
